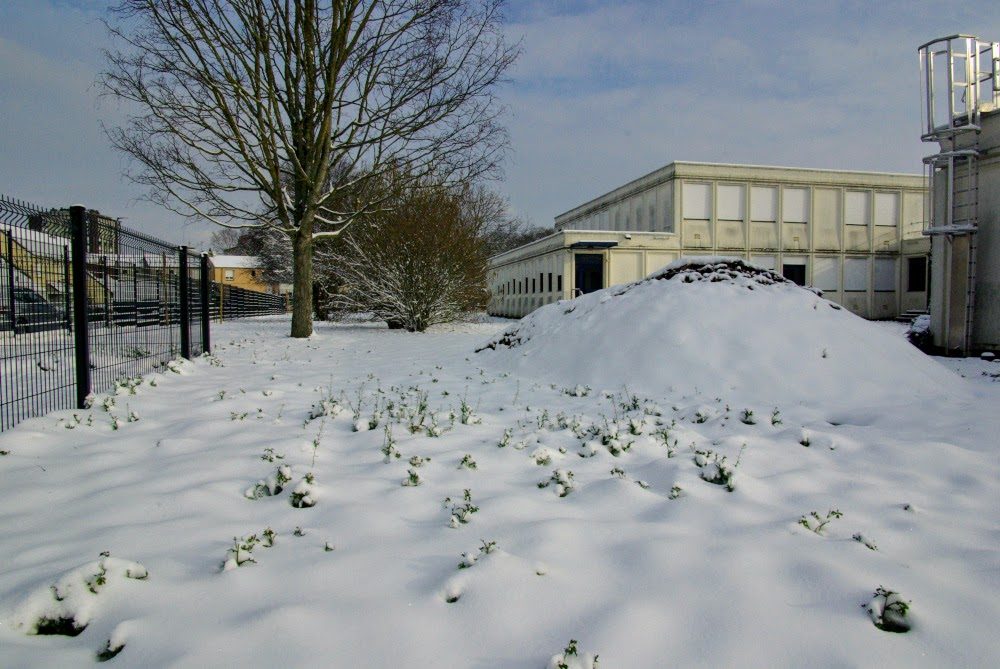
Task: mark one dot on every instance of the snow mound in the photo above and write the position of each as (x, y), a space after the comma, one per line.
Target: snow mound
(723, 328)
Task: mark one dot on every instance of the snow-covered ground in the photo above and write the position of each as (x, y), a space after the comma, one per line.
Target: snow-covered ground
(473, 510)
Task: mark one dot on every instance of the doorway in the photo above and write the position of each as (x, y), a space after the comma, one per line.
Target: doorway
(589, 272)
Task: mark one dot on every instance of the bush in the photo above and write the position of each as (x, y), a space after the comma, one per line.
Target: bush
(421, 262)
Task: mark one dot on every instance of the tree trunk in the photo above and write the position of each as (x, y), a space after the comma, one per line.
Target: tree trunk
(302, 298)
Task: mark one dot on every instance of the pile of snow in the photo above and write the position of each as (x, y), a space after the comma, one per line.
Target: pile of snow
(723, 328)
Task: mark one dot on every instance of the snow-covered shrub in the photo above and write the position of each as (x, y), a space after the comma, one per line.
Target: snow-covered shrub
(389, 449)
(618, 472)
(304, 495)
(418, 461)
(328, 406)
(67, 606)
(466, 414)
(241, 552)
(815, 523)
(578, 391)
(460, 512)
(919, 332)
(270, 455)
(888, 611)
(412, 479)
(717, 469)
(505, 439)
(862, 539)
(272, 485)
(467, 462)
(675, 492)
(563, 480)
(747, 418)
(775, 417)
(571, 658)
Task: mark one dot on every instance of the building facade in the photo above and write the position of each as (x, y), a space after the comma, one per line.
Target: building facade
(855, 235)
(242, 272)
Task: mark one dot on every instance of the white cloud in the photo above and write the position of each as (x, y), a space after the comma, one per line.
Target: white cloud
(606, 94)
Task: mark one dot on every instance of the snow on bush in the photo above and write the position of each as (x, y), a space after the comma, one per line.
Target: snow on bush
(67, 606)
(722, 328)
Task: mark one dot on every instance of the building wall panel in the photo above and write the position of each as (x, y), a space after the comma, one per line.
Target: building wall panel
(827, 227)
(625, 266)
(795, 236)
(732, 234)
(696, 234)
(763, 235)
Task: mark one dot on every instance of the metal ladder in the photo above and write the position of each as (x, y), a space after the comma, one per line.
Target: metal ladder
(968, 69)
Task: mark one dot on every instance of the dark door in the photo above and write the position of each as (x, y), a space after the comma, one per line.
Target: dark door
(796, 273)
(589, 272)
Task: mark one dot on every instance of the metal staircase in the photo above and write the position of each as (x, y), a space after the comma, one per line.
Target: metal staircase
(960, 80)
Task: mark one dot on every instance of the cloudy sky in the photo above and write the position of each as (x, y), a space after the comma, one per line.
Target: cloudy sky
(604, 92)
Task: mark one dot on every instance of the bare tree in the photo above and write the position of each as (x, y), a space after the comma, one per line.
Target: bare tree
(245, 106)
(420, 263)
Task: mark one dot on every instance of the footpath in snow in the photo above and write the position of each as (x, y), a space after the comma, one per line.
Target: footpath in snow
(373, 498)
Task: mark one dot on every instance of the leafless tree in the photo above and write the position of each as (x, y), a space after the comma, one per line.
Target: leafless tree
(421, 262)
(243, 107)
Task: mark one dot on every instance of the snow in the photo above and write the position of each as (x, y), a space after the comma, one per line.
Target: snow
(642, 558)
(699, 326)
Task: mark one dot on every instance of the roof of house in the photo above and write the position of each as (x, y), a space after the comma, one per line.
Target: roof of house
(235, 262)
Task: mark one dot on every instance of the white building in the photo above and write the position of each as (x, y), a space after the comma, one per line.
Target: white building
(961, 94)
(855, 235)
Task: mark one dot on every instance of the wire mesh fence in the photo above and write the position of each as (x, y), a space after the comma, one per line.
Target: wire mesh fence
(86, 302)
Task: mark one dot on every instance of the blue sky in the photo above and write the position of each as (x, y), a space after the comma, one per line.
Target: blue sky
(604, 92)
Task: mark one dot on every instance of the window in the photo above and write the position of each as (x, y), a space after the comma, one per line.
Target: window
(559, 283)
(767, 262)
(697, 201)
(533, 287)
(731, 205)
(541, 282)
(885, 274)
(886, 208)
(795, 205)
(229, 274)
(550, 282)
(826, 274)
(857, 207)
(763, 203)
(794, 271)
(855, 274)
(916, 274)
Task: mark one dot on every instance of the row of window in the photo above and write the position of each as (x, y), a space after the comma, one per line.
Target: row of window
(652, 210)
(528, 285)
(826, 274)
(730, 204)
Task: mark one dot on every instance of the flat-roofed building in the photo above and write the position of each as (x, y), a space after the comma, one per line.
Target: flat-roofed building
(855, 235)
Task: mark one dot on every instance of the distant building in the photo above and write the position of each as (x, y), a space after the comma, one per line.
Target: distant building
(242, 272)
(855, 235)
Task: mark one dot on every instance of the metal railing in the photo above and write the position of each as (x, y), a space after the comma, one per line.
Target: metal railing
(86, 302)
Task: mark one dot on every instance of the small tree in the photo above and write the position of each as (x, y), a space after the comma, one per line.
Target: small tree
(422, 263)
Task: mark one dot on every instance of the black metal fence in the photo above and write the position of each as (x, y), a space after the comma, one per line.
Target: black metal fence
(86, 302)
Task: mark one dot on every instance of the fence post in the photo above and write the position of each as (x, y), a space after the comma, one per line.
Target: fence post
(10, 281)
(81, 333)
(185, 304)
(68, 292)
(206, 333)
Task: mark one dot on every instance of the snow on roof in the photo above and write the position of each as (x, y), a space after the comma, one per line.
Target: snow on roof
(719, 327)
(235, 262)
